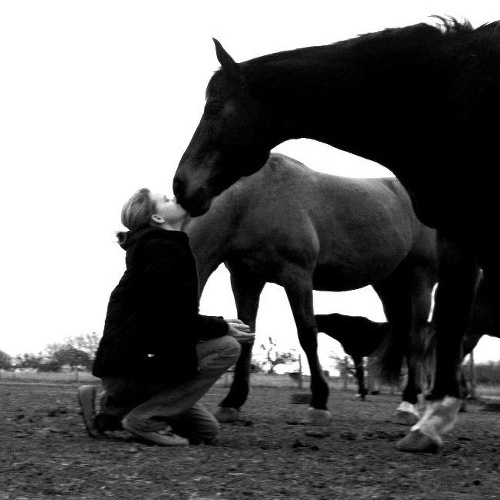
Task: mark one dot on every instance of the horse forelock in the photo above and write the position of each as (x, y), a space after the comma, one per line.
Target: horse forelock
(213, 84)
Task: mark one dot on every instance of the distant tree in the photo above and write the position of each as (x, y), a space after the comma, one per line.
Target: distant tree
(5, 361)
(87, 343)
(69, 355)
(274, 357)
(488, 373)
(50, 350)
(28, 361)
(344, 365)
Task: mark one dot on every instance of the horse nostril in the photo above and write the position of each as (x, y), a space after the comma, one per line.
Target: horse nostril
(178, 187)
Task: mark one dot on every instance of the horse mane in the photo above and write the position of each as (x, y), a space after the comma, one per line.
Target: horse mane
(451, 26)
(267, 74)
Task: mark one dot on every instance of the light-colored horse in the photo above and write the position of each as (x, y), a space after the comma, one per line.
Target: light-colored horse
(305, 231)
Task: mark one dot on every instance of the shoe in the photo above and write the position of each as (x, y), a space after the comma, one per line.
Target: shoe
(163, 437)
(104, 423)
(87, 399)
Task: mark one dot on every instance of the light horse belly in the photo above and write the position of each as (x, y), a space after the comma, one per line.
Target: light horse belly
(347, 273)
(353, 258)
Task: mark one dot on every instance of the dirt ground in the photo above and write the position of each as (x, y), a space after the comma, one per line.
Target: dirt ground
(46, 453)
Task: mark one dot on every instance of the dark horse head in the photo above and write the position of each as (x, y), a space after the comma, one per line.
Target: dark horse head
(228, 143)
(375, 96)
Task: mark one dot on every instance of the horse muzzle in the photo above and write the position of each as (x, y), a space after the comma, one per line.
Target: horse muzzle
(196, 203)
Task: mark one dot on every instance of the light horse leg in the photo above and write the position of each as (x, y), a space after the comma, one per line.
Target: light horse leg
(246, 291)
(407, 297)
(300, 296)
(458, 273)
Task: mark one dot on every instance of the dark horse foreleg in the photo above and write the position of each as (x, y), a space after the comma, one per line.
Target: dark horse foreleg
(240, 387)
(360, 376)
(300, 297)
(246, 294)
(458, 273)
(406, 296)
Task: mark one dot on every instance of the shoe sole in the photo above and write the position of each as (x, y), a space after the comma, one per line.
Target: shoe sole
(153, 437)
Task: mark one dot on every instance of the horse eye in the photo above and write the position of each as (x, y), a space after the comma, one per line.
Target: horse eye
(214, 107)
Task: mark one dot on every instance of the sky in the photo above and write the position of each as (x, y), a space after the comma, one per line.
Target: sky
(100, 98)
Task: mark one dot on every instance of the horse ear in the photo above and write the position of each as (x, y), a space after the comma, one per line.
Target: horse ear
(229, 66)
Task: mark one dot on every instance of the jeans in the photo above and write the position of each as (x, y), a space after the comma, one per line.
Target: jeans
(149, 405)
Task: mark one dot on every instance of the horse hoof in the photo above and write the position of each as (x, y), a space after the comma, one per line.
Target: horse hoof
(416, 442)
(318, 417)
(405, 418)
(227, 415)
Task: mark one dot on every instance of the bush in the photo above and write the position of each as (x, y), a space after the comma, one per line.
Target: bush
(488, 373)
(5, 361)
(49, 366)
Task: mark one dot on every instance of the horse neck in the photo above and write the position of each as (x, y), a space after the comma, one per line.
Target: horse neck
(345, 96)
(209, 237)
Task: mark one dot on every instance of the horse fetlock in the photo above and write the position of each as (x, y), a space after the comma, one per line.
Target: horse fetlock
(440, 417)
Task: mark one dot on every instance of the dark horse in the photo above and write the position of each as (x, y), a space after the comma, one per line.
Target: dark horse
(306, 230)
(421, 100)
(361, 337)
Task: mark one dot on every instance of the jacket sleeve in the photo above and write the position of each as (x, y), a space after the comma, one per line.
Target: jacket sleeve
(171, 291)
(210, 327)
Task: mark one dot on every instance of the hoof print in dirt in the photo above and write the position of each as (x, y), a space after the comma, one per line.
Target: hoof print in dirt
(298, 443)
(318, 433)
(349, 436)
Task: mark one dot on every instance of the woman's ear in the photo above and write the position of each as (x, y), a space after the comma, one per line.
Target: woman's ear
(157, 219)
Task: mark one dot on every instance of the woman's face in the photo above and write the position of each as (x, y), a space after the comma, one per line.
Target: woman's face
(168, 208)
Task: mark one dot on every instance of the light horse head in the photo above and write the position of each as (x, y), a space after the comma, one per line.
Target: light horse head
(228, 143)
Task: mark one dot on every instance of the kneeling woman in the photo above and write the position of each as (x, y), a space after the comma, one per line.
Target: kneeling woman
(158, 356)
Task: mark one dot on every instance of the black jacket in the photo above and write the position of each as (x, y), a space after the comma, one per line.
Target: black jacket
(152, 322)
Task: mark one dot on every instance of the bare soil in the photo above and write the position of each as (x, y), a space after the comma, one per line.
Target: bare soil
(46, 453)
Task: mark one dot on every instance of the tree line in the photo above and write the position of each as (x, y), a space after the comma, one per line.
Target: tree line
(74, 352)
(79, 352)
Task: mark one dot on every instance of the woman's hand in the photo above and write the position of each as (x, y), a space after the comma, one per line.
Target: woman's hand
(241, 332)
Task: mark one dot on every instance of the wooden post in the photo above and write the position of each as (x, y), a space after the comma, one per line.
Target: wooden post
(300, 372)
(373, 383)
(345, 373)
(472, 372)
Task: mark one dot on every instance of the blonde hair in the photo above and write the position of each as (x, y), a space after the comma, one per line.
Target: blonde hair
(137, 211)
